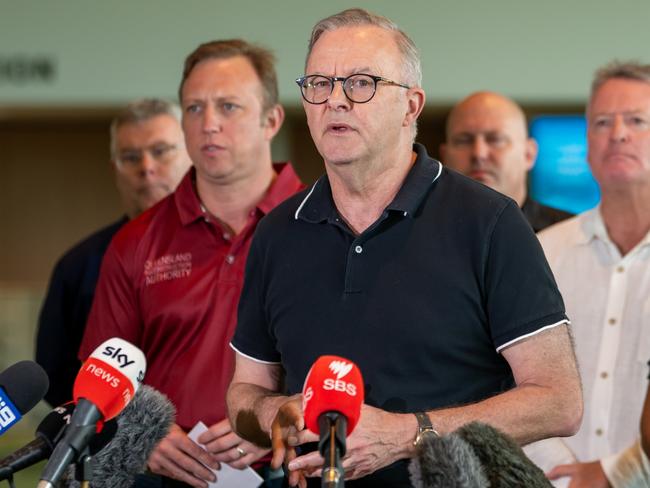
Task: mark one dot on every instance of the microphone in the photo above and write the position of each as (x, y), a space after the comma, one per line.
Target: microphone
(104, 385)
(22, 386)
(475, 455)
(332, 398)
(48, 433)
(505, 463)
(140, 427)
(446, 462)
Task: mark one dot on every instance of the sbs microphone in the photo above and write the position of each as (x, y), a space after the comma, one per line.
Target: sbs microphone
(142, 424)
(22, 386)
(332, 398)
(47, 434)
(104, 385)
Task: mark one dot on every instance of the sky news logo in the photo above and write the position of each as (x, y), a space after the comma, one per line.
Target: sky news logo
(9, 414)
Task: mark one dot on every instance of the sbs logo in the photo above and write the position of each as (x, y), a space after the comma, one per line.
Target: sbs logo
(340, 368)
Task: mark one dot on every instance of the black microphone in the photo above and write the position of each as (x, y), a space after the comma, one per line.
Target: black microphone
(47, 434)
(22, 386)
(142, 425)
(477, 455)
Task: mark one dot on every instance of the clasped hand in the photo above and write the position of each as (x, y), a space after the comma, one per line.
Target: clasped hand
(376, 442)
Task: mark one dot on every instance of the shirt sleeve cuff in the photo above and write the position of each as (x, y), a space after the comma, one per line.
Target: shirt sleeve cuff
(627, 469)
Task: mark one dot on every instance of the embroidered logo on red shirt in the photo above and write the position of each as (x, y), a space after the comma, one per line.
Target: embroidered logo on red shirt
(167, 267)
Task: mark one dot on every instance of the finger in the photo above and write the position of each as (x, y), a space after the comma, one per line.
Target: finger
(190, 465)
(295, 478)
(215, 431)
(278, 445)
(244, 461)
(197, 454)
(561, 470)
(306, 435)
(168, 467)
(223, 443)
(308, 461)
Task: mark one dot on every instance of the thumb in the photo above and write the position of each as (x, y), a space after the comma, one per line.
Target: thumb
(561, 470)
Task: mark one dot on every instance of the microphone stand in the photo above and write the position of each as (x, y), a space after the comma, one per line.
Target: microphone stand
(84, 469)
(333, 428)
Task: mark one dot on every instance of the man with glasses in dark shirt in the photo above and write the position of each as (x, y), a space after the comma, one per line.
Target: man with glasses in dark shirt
(149, 159)
(434, 285)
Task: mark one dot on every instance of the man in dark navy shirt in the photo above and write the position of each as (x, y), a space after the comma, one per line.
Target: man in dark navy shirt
(433, 284)
(488, 141)
(149, 159)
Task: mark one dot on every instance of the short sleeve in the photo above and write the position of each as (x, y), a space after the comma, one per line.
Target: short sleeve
(253, 337)
(521, 293)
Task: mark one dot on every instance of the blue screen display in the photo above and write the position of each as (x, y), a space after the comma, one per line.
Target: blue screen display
(561, 177)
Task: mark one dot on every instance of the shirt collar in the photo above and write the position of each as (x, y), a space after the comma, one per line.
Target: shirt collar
(593, 227)
(189, 205)
(318, 204)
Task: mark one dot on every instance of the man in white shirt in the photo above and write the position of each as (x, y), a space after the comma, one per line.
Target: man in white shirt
(601, 260)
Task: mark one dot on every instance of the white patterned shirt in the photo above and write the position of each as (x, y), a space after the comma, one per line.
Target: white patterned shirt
(607, 298)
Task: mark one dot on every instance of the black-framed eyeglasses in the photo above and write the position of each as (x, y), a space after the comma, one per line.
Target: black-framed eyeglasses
(160, 152)
(358, 88)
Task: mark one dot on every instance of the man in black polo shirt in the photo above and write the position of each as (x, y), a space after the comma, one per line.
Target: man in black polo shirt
(433, 284)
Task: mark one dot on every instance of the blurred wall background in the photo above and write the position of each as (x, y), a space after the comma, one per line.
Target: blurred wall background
(67, 66)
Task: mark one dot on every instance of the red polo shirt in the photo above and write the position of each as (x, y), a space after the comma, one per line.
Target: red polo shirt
(169, 283)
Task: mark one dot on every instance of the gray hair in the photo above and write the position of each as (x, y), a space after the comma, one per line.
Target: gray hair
(627, 70)
(412, 70)
(140, 111)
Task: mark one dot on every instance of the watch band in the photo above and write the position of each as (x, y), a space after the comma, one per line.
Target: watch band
(424, 427)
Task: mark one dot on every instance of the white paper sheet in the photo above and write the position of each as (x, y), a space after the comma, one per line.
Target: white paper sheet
(227, 476)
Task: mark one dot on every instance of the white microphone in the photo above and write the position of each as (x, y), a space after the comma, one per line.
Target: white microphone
(106, 383)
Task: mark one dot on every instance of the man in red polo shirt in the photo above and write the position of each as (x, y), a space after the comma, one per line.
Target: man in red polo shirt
(171, 279)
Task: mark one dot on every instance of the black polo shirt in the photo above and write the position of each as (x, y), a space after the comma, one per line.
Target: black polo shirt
(422, 301)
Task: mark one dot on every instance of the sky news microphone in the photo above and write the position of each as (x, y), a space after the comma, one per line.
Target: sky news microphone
(142, 424)
(332, 399)
(47, 434)
(22, 386)
(106, 383)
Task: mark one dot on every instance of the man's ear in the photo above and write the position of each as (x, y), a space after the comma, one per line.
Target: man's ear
(531, 153)
(272, 121)
(416, 98)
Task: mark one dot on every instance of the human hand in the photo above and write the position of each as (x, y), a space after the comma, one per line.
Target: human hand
(227, 447)
(377, 441)
(287, 432)
(583, 475)
(178, 457)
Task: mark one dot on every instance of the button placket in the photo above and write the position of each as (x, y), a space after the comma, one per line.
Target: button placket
(603, 395)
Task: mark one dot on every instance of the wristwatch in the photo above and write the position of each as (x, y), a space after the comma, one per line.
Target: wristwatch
(424, 428)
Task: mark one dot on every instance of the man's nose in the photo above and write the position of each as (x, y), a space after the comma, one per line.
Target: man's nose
(149, 163)
(620, 131)
(337, 98)
(480, 149)
(211, 120)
